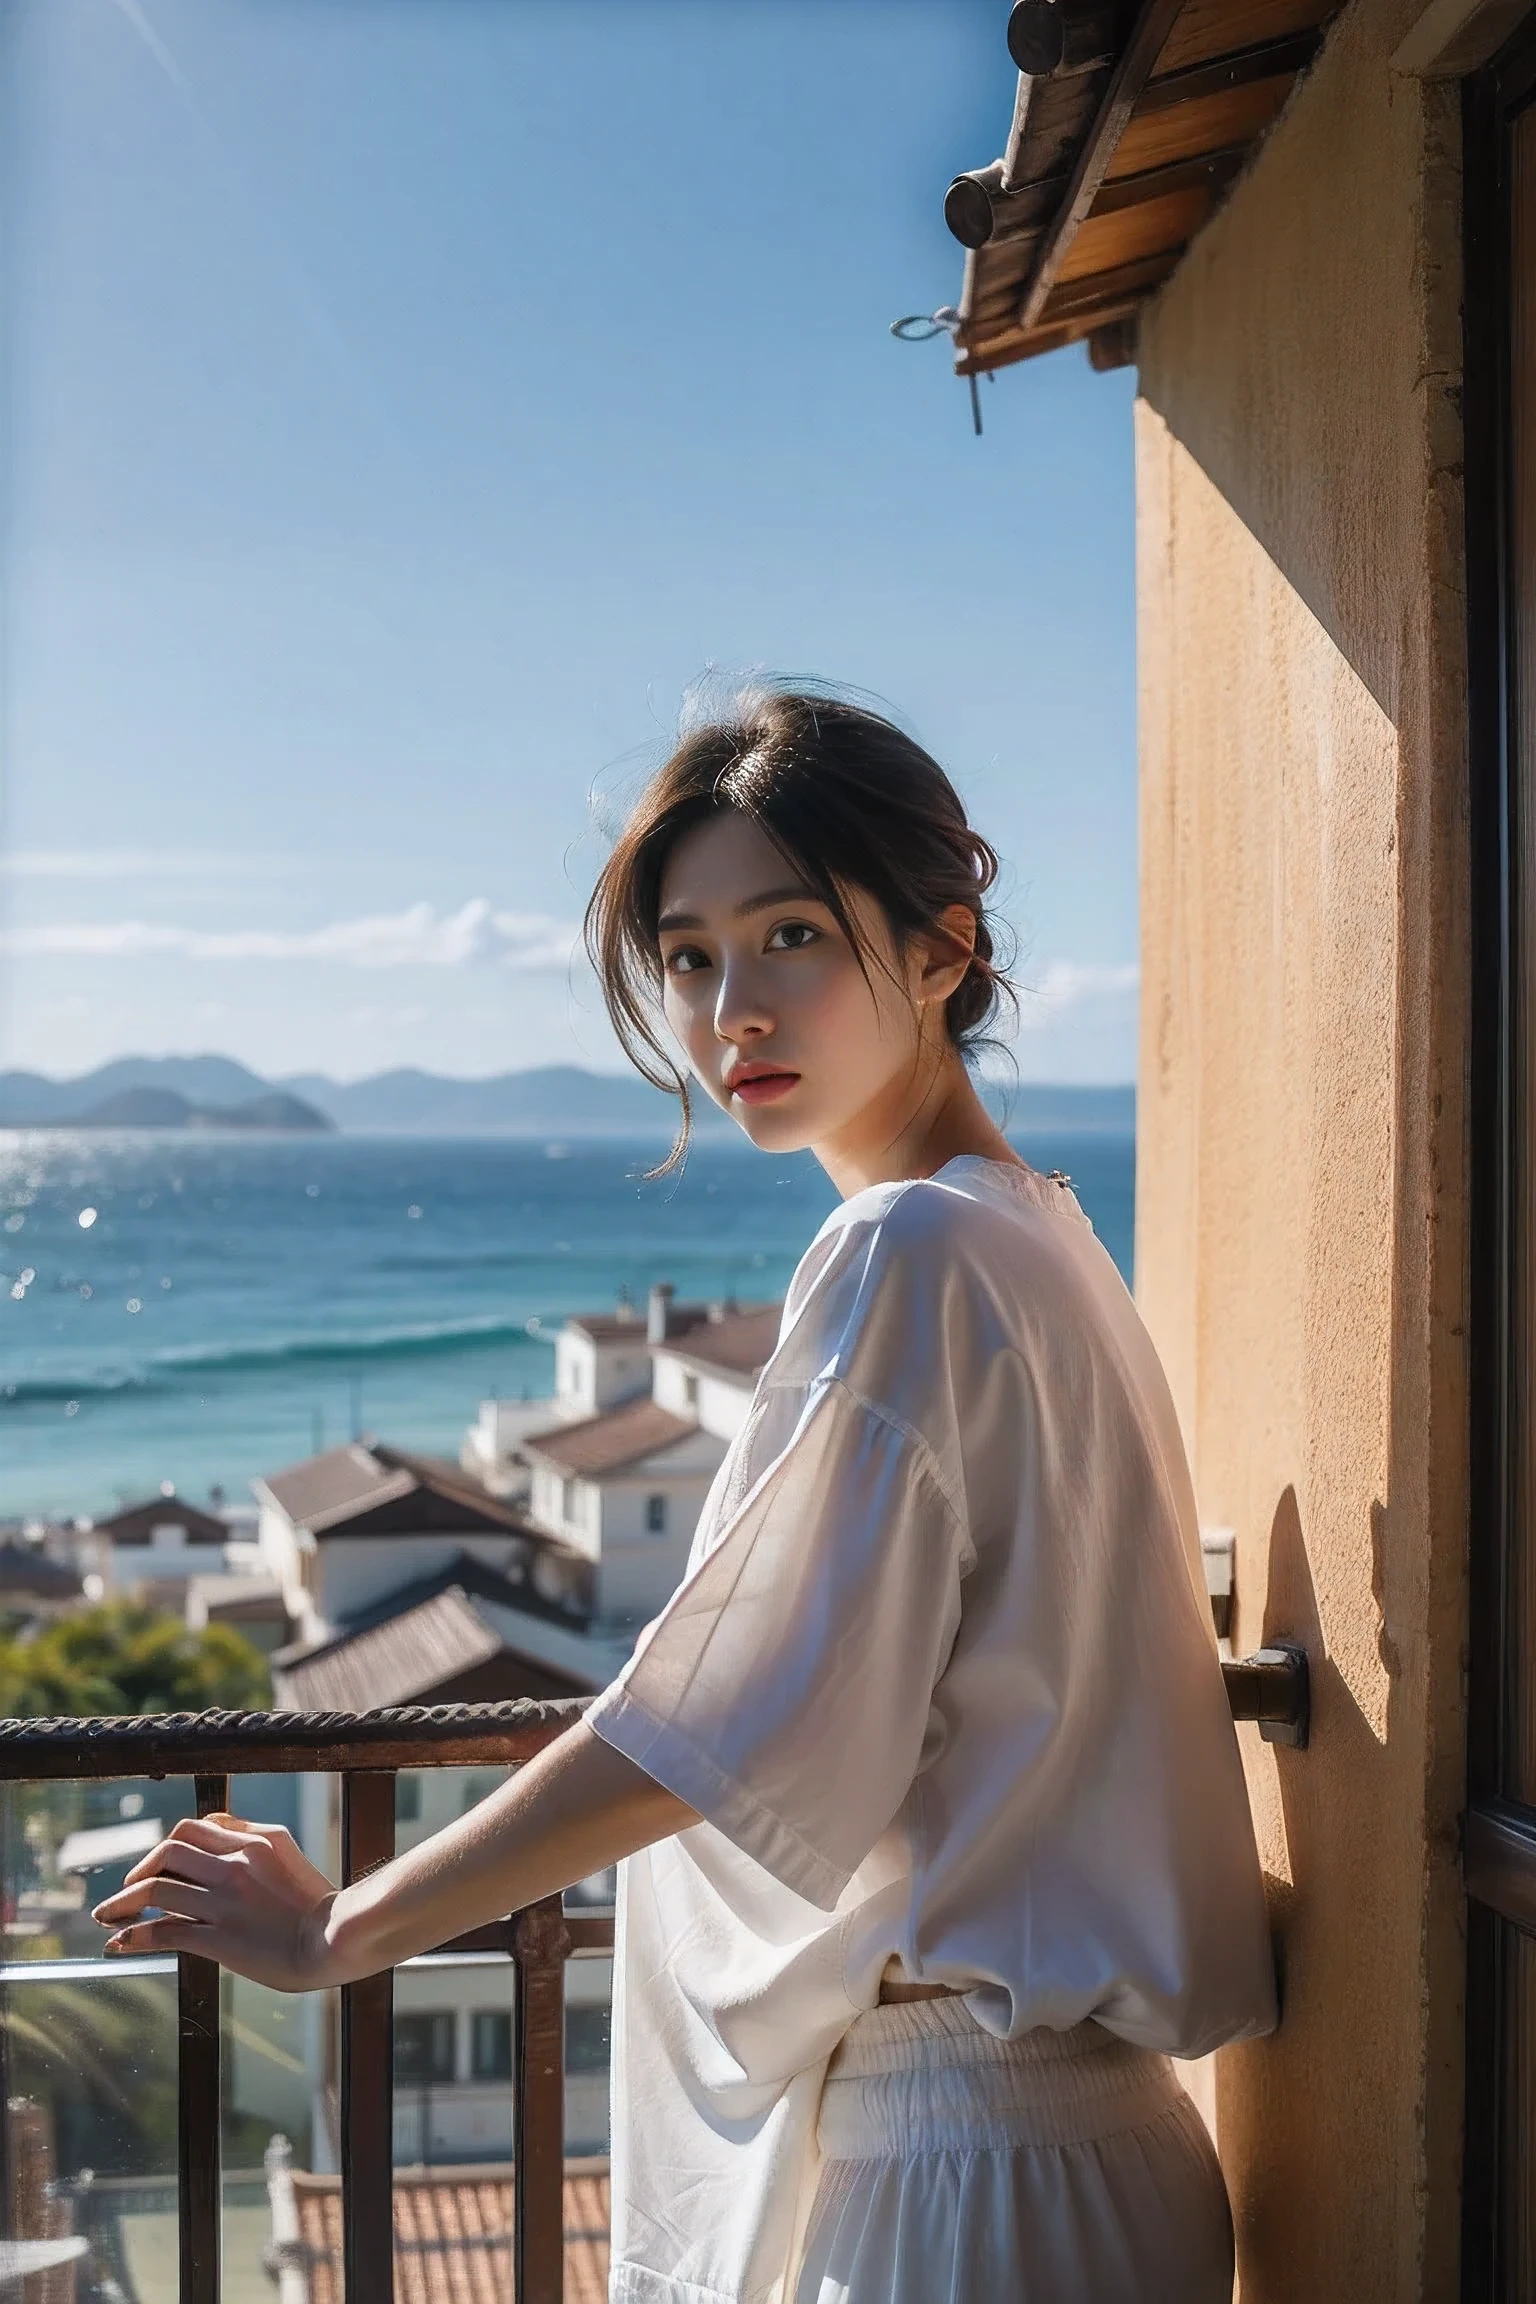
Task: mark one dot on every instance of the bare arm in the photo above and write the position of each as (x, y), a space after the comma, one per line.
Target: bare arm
(245, 1895)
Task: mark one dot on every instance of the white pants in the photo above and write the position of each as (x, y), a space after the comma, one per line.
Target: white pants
(1061, 2168)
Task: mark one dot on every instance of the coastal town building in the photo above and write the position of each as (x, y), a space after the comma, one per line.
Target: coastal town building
(617, 1462)
(156, 1545)
(343, 1532)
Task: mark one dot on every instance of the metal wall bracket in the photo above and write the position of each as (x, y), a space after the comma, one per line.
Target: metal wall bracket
(1273, 1687)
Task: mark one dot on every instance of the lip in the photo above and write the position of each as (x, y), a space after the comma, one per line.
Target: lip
(760, 1083)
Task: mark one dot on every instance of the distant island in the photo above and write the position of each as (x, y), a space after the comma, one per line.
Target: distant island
(551, 1100)
(274, 1111)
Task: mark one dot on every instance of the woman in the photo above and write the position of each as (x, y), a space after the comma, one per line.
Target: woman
(936, 1836)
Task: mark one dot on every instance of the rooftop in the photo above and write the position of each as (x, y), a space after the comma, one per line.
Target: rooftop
(1129, 126)
(136, 1523)
(367, 1489)
(738, 1337)
(428, 1637)
(453, 2234)
(607, 1443)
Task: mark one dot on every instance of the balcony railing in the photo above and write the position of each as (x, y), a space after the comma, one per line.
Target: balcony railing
(366, 1750)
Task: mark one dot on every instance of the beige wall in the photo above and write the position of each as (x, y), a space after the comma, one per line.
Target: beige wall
(1300, 1220)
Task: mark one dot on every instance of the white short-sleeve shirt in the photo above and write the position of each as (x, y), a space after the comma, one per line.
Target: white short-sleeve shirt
(941, 1679)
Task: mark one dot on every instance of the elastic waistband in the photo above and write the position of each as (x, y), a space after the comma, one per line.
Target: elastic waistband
(924, 2076)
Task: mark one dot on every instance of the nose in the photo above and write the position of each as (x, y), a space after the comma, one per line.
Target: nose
(741, 1013)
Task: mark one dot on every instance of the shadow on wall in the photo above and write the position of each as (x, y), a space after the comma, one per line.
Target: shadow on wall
(1326, 364)
(1293, 2130)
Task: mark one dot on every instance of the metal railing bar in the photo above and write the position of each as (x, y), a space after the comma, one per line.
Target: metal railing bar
(283, 1743)
(367, 2064)
(1498, 1859)
(199, 2103)
(1270, 1688)
(590, 1931)
(495, 1936)
(541, 1940)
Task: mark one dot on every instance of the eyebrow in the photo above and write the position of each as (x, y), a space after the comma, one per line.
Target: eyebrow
(795, 893)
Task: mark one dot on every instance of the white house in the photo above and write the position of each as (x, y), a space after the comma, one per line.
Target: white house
(601, 1360)
(622, 1475)
(344, 1531)
(163, 1543)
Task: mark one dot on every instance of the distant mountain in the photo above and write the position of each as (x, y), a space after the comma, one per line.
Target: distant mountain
(555, 1099)
(145, 1107)
(28, 1100)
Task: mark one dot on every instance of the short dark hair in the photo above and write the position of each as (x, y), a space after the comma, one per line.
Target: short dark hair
(848, 799)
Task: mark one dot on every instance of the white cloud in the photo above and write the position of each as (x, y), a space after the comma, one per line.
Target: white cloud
(477, 934)
(1068, 983)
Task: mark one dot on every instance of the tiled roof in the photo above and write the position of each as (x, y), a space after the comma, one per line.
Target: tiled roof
(738, 1337)
(335, 1484)
(606, 1443)
(610, 1327)
(739, 1340)
(394, 1663)
(331, 1493)
(432, 1632)
(453, 2235)
(135, 1523)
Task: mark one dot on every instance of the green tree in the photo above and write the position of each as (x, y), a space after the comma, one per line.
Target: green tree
(119, 1657)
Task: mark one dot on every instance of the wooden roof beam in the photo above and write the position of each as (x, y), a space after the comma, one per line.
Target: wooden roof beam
(1009, 346)
(1130, 76)
(1270, 60)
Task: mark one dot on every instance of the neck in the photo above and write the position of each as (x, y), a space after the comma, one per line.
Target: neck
(918, 1125)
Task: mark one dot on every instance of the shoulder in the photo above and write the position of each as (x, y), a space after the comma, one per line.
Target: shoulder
(931, 1227)
(897, 1271)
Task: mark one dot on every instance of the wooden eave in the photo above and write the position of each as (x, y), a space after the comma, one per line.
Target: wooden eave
(1109, 173)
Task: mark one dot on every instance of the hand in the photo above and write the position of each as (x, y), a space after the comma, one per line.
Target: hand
(243, 1894)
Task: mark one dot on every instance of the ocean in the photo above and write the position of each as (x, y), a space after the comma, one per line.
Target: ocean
(204, 1309)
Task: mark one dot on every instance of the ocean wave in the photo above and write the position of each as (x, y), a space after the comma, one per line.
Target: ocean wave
(178, 1365)
(54, 1391)
(407, 1341)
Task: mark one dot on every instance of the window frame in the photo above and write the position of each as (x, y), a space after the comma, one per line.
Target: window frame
(439, 2025)
(497, 2068)
(1499, 1834)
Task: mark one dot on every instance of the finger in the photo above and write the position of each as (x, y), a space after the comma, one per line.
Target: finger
(159, 1936)
(165, 1895)
(245, 1827)
(192, 1832)
(179, 1860)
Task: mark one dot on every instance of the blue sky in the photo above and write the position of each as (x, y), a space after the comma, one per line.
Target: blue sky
(405, 401)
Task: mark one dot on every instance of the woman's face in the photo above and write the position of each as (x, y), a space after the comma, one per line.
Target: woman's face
(765, 995)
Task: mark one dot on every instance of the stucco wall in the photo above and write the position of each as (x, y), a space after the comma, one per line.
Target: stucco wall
(1300, 1241)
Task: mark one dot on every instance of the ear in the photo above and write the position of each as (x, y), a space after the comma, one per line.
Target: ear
(943, 953)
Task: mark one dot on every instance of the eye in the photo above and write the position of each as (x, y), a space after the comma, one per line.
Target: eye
(684, 960)
(792, 936)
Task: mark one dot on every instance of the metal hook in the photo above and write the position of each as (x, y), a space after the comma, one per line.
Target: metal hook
(922, 327)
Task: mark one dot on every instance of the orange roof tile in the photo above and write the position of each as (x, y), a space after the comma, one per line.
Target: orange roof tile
(453, 2234)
